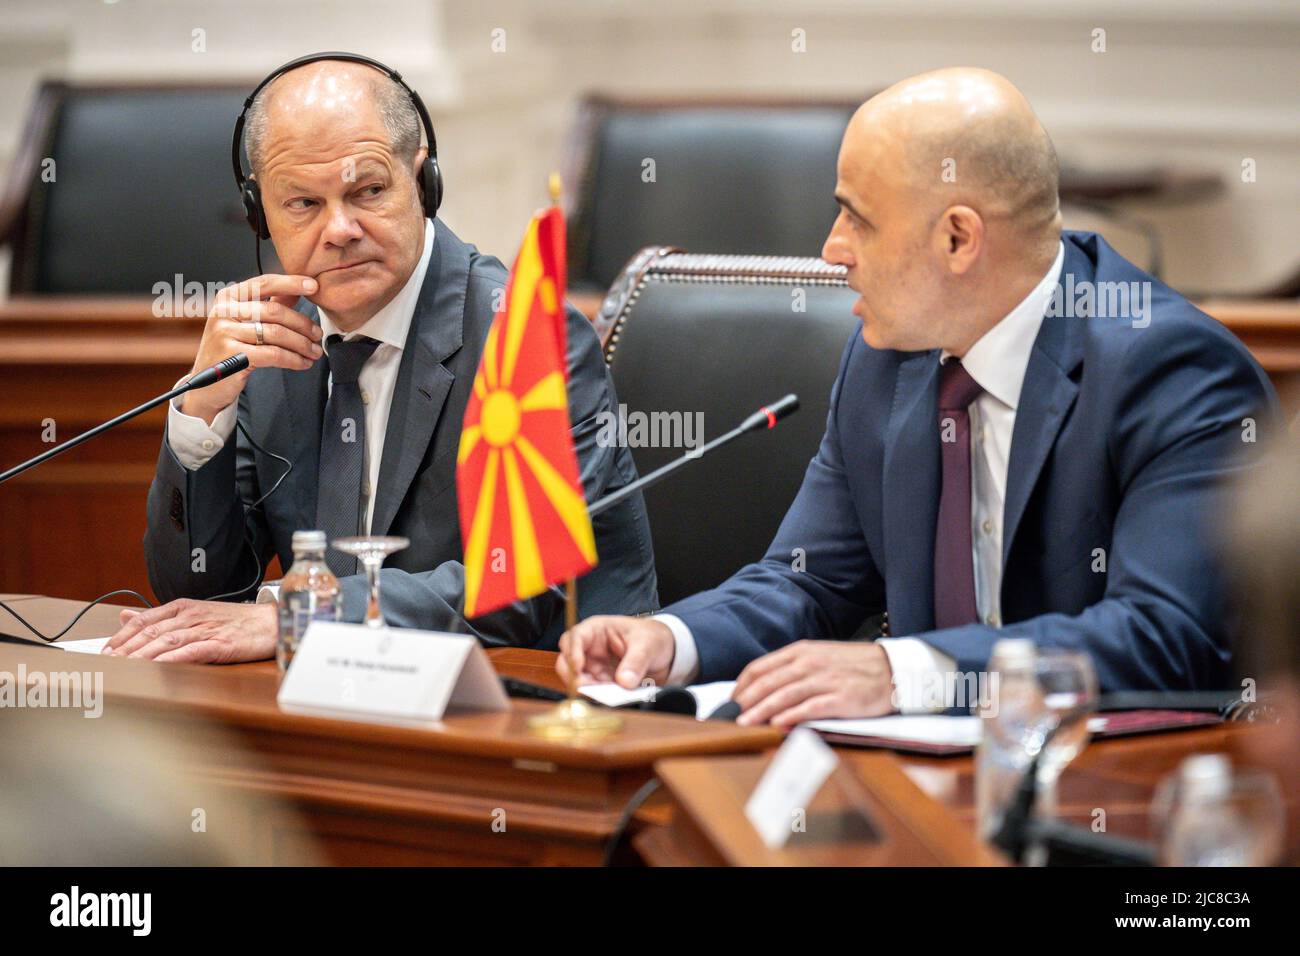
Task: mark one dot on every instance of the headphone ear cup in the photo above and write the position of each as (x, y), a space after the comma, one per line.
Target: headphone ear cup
(431, 186)
(252, 197)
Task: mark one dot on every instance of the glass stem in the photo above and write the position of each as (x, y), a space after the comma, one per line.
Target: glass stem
(374, 616)
(1046, 805)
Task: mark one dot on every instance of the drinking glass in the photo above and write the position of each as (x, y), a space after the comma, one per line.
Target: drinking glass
(1068, 684)
(371, 550)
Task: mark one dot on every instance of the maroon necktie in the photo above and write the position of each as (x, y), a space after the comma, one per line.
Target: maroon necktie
(954, 569)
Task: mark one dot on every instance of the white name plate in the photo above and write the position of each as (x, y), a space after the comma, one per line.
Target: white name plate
(780, 800)
(391, 675)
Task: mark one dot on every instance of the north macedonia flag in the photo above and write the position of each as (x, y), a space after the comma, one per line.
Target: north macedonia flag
(523, 517)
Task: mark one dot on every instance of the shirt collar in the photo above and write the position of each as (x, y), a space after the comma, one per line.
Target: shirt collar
(390, 325)
(1000, 357)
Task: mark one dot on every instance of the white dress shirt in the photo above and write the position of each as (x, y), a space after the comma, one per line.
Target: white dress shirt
(195, 443)
(997, 362)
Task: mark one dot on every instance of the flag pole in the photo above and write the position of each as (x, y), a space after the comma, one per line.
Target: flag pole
(572, 719)
(555, 187)
(570, 622)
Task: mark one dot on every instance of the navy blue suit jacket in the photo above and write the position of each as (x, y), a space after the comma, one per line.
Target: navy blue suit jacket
(1124, 438)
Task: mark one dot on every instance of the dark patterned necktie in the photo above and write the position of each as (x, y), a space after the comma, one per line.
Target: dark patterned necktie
(954, 567)
(343, 448)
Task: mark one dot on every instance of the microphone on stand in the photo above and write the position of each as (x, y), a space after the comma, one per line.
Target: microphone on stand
(209, 376)
(766, 417)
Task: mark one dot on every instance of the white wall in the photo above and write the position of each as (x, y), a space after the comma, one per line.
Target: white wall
(1201, 84)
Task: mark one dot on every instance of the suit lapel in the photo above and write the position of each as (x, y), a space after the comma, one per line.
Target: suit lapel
(1046, 398)
(911, 495)
(423, 382)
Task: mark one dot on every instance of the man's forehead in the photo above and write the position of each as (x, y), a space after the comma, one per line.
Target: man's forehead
(871, 157)
(322, 107)
(322, 136)
(301, 167)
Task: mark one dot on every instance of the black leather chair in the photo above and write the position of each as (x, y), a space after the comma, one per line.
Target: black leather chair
(723, 335)
(141, 190)
(729, 177)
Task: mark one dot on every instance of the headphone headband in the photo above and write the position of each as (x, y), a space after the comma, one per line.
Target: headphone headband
(293, 64)
(430, 177)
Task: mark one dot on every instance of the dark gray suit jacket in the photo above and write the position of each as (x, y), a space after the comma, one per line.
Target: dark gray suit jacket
(209, 508)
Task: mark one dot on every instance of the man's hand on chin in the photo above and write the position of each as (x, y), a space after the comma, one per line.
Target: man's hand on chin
(197, 632)
(815, 680)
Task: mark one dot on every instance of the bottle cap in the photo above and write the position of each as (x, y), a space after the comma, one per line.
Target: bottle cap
(308, 540)
(1012, 652)
(1206, 775)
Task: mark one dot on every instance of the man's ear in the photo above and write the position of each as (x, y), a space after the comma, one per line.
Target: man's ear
(420, 155)
(959, 235)
(261, 200)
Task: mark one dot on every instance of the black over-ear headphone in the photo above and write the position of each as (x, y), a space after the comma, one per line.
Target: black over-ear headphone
(430, 175)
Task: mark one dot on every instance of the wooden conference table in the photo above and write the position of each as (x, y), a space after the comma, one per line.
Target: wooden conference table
(365, 793)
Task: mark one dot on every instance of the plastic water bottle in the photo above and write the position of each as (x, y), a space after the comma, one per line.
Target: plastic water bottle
(1010, 725)
(308, 592)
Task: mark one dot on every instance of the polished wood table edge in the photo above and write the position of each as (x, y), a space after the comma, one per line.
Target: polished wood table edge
(661, 846)
(532, 817)
(198, 689)
(940, 832)
(372, 791)
(85, 307)
(1118, 774)
(708, 826)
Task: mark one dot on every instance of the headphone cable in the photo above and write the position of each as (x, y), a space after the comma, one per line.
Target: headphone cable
(256, 505)
(71, 624)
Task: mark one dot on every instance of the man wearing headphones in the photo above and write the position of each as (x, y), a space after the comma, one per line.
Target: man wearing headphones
(362, 355)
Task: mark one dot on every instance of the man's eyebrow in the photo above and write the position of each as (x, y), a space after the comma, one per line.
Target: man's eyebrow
(371, 168)
(368, 168)
(844, 201)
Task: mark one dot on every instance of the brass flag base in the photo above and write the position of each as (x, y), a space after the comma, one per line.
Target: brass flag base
(575, 719)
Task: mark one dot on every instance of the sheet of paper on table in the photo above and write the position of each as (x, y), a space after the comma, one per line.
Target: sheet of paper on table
(91, 645)
(960, 731)
(708, 697)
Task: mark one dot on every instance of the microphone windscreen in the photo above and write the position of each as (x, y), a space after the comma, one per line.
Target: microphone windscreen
(215, 373)
(727, 710)
(674, 700)
(786, 406)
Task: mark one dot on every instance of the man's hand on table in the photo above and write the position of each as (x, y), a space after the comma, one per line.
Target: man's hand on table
(625, 650)
(815, 680)
(197, 632)
(809, 680)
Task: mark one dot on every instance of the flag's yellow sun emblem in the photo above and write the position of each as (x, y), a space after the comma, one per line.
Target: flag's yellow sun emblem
(501, 418)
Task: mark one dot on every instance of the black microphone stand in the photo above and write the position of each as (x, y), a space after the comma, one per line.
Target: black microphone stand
(766, 417)
(208, 376)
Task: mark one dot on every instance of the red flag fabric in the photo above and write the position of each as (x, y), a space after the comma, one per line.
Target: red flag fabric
(523, 515)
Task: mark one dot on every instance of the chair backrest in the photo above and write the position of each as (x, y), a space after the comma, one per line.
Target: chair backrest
(726, 176)
(118, 188)
(717, 337)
